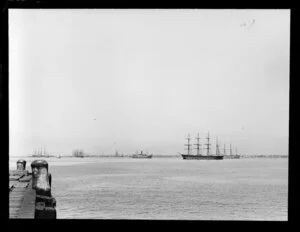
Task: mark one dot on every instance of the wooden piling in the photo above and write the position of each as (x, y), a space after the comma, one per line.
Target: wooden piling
(21, 165)
(44, 204)
(30, 193)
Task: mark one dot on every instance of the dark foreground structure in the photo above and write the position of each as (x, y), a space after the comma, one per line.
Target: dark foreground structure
(30, 193)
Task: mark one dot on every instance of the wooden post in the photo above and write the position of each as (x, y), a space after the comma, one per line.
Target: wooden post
(50, 179)
(44, 204)
(37, 167)
(21, 165)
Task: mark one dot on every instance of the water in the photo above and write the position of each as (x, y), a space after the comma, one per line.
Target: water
(169, 188)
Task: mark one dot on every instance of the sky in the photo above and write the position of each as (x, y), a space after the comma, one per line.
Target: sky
(106, 80)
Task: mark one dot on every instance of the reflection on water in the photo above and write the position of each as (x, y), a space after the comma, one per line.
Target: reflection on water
(169, 188)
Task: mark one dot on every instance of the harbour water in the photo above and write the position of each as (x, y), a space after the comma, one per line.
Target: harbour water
(169, 188)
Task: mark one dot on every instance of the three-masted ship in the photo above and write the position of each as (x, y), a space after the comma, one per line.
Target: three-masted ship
(78, 153)
(41, 152)
(231, 155)
(200, 156)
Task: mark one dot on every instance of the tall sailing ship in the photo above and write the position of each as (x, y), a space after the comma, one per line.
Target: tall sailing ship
(78, 153)
(231, 155)
(41, 152)
(200, 156)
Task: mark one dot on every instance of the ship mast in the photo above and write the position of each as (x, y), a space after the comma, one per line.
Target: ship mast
(188, 144)
(224, 149)
(198, 145)
(207, 144)
(230, 150)
(236, 152)
(217, 148)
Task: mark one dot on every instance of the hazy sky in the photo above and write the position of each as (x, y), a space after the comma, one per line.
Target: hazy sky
(106, 80)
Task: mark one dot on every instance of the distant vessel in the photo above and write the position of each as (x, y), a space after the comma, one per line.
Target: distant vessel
(78, 153)
(199, 156)
(117, 154)
(142, 156)
(231, 156)
(41, 152)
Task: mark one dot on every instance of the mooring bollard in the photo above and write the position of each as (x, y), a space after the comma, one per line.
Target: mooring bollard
(40, 177)
(37, 167)
(41, 181)
(19, 172)
(21, 165)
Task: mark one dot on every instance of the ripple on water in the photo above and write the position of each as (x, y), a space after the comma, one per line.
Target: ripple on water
(172, 190)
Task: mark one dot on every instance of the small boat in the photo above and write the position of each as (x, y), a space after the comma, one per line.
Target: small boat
(142, 156)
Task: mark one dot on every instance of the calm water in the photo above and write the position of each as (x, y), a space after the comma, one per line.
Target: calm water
(169, 188)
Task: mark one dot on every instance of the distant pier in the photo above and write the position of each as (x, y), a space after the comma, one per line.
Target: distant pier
(30, 192)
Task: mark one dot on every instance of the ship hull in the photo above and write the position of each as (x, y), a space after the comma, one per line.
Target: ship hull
(41, 156)
(202, 157)
(142, 156)
(231, 157)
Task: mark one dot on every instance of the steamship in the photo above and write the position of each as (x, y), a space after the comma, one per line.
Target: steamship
(142, 156)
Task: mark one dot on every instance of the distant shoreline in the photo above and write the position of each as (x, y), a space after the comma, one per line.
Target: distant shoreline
(154, 156)
(263, 156)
